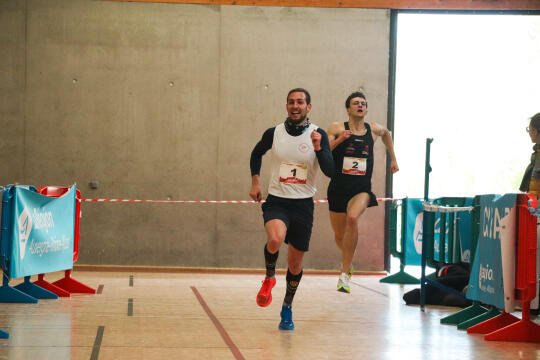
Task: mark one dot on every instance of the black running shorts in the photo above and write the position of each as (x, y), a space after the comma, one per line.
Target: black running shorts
(297, 214)
(338, 202)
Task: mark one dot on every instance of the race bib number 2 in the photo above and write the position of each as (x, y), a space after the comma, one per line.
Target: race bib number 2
(354, 166)
(290, 173)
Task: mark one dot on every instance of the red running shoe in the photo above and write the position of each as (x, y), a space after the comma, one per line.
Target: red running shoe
(264, 297)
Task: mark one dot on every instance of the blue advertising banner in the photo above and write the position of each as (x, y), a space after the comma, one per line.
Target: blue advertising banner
(464, 232)
(413, 231)
(486, 282)
(412, 236)
(43, 233)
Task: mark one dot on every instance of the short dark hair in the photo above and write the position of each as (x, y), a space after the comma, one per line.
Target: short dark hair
(352, 96)
(535, 121)
(308, 97)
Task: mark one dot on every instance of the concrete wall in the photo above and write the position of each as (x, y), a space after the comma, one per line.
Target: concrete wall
(166, 101)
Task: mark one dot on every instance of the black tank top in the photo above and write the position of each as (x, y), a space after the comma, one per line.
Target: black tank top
(356, 146)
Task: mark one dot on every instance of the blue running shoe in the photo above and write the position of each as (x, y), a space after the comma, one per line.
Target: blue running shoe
(286, 318)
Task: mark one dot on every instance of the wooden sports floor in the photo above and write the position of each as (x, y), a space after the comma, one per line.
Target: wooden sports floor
(159, 315)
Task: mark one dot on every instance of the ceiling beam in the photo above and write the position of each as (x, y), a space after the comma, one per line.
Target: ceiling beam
(373, 4)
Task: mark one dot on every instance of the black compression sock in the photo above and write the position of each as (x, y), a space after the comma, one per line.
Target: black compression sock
(270, 262)
(292, 284)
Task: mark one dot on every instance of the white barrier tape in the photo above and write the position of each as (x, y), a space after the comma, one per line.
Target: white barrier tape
(199, 201)
(445, 209)
(175, 201)
(171, 201)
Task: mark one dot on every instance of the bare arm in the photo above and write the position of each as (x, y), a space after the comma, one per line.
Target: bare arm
(337, 134)
(386, 138)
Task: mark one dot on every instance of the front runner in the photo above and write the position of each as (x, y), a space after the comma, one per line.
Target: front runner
(298, 149)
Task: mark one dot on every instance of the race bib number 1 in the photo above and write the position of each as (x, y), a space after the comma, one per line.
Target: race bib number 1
(293, 173)
(354, 166)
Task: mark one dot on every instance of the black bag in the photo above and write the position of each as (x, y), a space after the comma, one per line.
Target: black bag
(452, 276)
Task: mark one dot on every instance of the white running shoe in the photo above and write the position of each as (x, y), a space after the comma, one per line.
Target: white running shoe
(343, 283)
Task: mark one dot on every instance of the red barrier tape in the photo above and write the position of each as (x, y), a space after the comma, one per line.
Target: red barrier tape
(198, 201)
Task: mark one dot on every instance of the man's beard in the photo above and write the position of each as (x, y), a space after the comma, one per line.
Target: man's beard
(299, 121)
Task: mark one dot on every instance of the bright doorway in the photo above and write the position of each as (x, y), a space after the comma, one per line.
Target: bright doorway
(471, 82)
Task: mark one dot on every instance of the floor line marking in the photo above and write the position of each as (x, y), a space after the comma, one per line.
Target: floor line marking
(370, 289)
(97, 343)
(232, 346)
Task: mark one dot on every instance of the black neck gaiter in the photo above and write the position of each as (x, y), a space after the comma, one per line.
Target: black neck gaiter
(296, 129)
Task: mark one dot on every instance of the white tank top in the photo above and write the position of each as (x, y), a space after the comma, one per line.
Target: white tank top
(294, 164)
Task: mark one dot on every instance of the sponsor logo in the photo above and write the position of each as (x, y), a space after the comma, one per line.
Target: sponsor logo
(303, 148)
(51, 245)
(491, 222)
(485, 274)
(33, 220)
(43, 220)
(418, 233)
(24, 222)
